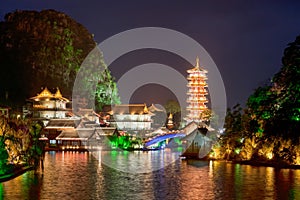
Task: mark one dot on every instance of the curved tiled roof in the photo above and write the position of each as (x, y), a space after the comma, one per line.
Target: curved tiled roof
(46, 94)
(133, 109)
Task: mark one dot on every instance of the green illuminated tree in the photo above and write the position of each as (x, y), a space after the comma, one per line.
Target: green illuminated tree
(172, 106)
(277, 106)
(5, 135)
(49, 48)
(233, 131)
(269, 125)
(3, 156)
(206, 115)
(95, 82)
(286, 84)
(36, 148)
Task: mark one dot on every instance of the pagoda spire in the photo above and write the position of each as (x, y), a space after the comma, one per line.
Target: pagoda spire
(58, 93)
(197, 63)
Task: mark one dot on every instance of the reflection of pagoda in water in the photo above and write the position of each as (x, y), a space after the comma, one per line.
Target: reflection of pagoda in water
(196, 95)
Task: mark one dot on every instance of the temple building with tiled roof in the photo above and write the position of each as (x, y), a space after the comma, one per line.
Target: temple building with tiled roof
(129, 117)
(47, 105)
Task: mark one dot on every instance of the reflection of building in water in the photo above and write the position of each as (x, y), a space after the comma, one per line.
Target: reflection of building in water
(196, 143)
(196, 95)
(129, 117)
(47, 105)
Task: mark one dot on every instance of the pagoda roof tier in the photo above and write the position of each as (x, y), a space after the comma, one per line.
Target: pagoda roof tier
(197, 81)
(202, 103)
(201, 84)
(191, 91)
(196, 104)
(197, 93)
(196, 108)
(202, 94)
(196, 70)
(199, 110)
(197, 97)
(198, 78)
(197, 85)
(200, 73)
(197, 101)
(197, 89)
(46, 95)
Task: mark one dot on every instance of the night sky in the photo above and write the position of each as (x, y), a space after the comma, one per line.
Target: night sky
(246, 40)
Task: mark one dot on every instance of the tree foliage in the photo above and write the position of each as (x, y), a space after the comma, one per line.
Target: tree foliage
(95, 83)
(173, 107)
(46, 48)
(19, 143)
(268, 128)
(278, 105)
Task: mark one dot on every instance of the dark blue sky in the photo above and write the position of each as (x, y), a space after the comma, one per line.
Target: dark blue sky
(246, 40)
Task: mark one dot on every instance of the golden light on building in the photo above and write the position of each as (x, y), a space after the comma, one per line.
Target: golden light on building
(196, 95)
(47, 105)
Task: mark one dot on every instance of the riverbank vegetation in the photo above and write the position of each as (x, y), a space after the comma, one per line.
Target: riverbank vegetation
(125, 141)
(19, 144)
(268, 128)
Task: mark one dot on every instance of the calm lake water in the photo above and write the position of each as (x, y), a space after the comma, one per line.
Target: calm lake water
(71, 175)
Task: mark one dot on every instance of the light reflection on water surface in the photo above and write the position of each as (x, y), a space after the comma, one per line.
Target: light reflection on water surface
(71, 175)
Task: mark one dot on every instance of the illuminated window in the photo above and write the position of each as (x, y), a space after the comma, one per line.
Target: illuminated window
(52, 141)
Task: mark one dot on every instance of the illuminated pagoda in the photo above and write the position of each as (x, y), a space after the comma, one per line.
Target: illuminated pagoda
(196, 95)
(170, 123)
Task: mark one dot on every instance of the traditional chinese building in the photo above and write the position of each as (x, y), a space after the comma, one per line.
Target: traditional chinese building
(159, 116)
(73, 134)
(196, 95)
(47, 105)
(85, 138)
(129, 117)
